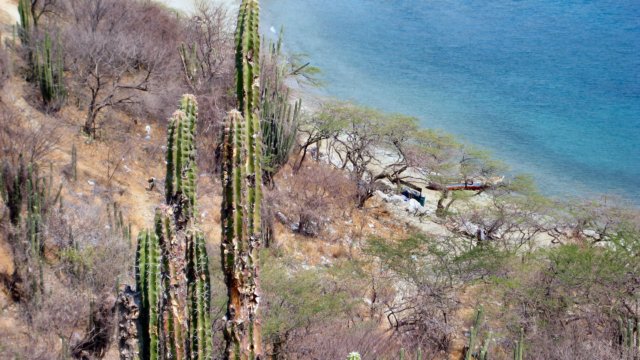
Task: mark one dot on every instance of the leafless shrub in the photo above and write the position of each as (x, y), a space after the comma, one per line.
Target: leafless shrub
(98, 257)
(115, 53)
(307, 199)
(337, 340)
(47, 8)
(208, 37)
(98, 336)
(31, 141)
(61, 311)
(5, 66)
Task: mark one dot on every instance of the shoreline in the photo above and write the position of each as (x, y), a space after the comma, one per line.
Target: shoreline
(531, 136)
(187, 6)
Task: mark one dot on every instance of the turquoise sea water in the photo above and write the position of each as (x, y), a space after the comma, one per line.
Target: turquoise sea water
(550, 87)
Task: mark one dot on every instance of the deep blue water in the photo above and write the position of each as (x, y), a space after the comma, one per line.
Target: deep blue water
(550, 87)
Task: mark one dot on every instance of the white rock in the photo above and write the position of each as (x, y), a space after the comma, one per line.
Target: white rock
(591, 233)
(412, 206)
(382, 195)
(397, 199)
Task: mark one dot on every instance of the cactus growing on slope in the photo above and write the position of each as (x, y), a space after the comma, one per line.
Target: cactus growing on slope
(482, 354)
(172, 274)
(49, 72)
(26, 21)
(518, 350)
(242, 194)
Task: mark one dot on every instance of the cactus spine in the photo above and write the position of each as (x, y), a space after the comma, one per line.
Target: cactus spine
(172, 264)
(242, 194)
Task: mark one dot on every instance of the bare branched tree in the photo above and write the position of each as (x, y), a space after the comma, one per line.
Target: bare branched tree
(111, 65)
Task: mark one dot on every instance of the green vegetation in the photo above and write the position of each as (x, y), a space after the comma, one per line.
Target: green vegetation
(26, 21)
(49, 72)
(279, 119)
(242, 194)
(483, 353)
(172, 274)
(351, 268)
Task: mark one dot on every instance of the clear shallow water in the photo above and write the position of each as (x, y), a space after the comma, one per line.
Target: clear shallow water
(550, 87)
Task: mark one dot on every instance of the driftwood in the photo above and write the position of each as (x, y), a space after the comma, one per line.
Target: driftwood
(473, 186)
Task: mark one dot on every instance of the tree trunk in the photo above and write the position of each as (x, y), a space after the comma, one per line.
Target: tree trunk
(441, 210)
(304, 155)
(89, 127)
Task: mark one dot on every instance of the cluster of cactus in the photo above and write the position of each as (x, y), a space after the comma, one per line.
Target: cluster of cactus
(13, 184)
(46, 62)
(49, 71)
(242, 194)
(418, 354)
(279, 118)
(172, 267)
(482, 354)
(279, 123)
(117, 224)
(22, 186)
(630, 334)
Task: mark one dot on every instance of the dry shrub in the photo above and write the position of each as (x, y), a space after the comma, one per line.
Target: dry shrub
(337, 340)
(33, 141)
(5, 66)
(310, 198)
(210, 32)
(573, 341)
(97, 257)
(117, 51)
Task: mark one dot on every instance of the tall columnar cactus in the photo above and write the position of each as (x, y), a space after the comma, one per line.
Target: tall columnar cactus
(74, 163)
(279, 125)
(180, 181)
(26, 21)
(172, 265)
(481, 354)
(117, 224)
(279, 118)
(198, 296)
(13, 189)
(147, 284)
(49, 72)
(242, 195)
(630, 334)
(518, 350)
